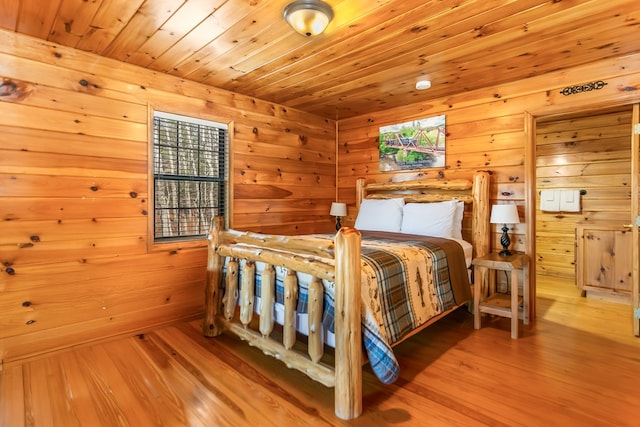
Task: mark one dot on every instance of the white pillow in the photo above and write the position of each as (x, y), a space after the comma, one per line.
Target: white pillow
(380, 215)
(429, 219)
(456, 231)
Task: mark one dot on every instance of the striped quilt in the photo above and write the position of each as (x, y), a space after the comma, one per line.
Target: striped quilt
(404, 284)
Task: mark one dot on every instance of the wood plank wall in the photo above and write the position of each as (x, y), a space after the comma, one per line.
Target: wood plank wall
(75, 264)
(486, 130)
(474, 142)
(590, 153)
(75, 259)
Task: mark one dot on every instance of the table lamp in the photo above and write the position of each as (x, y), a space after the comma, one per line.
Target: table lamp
(338, 210)
(504, 214)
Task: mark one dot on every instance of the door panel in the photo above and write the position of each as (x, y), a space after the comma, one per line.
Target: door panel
(604, 261)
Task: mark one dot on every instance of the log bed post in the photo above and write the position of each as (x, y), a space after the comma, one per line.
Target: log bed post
(361, 194)
(348, 348)
(481, 237)
(211, 325)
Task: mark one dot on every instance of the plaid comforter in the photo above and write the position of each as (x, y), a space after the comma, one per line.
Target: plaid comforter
(403, 286)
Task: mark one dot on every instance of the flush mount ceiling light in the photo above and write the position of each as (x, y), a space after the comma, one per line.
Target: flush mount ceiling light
(423, 84)
(308, 17)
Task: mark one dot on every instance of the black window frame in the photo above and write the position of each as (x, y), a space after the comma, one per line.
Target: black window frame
(181, 218)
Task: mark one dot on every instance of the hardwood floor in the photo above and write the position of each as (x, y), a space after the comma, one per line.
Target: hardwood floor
(577, 365)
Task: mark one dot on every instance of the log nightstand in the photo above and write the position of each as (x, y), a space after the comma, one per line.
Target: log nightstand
(501, 304)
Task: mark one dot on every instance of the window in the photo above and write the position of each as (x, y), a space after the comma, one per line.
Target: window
(189, 175)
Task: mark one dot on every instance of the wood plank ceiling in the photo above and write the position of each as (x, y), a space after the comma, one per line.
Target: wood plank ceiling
(369, 59)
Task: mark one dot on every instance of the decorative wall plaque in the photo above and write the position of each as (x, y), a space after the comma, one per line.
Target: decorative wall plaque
(587, 87)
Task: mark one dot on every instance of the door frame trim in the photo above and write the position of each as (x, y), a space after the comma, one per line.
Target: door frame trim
(530, 203)
(530, 119)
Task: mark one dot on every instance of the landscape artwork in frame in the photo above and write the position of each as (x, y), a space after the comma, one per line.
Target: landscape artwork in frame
(417, 144)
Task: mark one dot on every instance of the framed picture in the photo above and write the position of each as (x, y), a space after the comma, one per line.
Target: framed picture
(417, 144)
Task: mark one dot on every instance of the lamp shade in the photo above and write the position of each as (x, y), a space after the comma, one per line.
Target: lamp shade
(308, 17)
(338, 209)
(504, 214)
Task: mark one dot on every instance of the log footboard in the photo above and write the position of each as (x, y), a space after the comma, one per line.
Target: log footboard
(337, 262)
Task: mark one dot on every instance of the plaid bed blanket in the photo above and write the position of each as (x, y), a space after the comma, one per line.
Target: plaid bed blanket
(403, 286)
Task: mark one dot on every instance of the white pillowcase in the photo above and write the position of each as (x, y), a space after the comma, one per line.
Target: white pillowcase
(380, 215)
(429, 219)
(456, 230)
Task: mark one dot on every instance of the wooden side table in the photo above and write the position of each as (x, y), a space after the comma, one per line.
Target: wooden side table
(500, 304)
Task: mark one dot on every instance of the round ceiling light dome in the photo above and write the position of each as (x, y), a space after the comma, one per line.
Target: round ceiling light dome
(308, 17)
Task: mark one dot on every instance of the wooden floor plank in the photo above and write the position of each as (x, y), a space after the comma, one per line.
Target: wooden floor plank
(248, 381)
(228, 394)
(117, 403)
(576, 365)
(154, 395)
(201, 406)
(37, 402)
(78, 390)
(12, 397)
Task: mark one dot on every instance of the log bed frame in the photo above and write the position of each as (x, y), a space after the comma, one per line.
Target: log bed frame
(337, 261)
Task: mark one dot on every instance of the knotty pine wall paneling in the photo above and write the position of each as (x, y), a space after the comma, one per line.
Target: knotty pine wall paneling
(76, 263)
(474, 142)
(486, 131)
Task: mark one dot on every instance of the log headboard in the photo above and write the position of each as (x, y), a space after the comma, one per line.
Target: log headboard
(475, 195)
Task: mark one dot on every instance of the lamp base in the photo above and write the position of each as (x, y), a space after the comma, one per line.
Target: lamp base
(338, 225)
(505, 241)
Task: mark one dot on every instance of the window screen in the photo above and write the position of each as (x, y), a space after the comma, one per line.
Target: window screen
(189, 175)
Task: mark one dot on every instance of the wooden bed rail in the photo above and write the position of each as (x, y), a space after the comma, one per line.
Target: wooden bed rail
(296, 244)
(337, 261)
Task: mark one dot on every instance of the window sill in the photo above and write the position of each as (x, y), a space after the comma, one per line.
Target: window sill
(177, 245)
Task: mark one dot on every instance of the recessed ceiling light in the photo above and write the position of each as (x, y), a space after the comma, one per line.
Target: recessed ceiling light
(423, 84)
